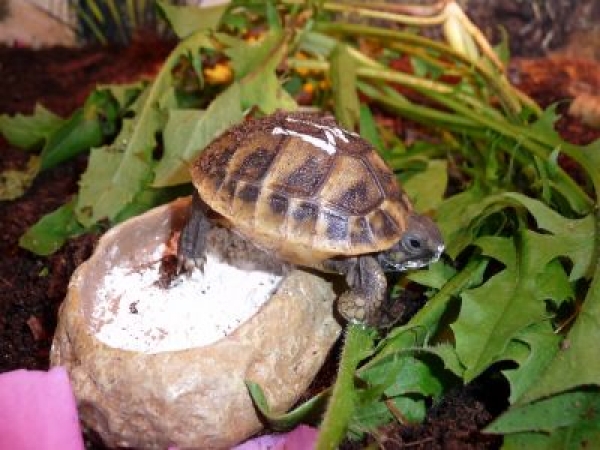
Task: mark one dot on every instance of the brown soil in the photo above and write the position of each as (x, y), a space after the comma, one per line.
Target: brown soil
(31, 287)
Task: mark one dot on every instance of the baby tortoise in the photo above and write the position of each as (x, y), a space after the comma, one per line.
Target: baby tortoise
(298, 185)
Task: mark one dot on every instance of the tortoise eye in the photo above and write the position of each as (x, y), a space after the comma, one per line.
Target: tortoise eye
(412, 243)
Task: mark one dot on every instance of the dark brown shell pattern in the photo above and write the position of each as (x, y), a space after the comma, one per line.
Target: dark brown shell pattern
(298, 184)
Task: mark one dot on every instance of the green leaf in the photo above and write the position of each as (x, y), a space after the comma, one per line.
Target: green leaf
(260, 86)
(372, 415)
(563, 439)
(495, 312)
(99, 197)
(577, 411)
(302, 413)
(52, 231)
(427, 188)
(248, 56)
(14, 183)
(447, 353)
(403, 374)
(553, 284)
(533, 349)
(189, 131)
(398, 385)
(186, 20)
(368, 128)
(576, 364)
(342, 71)
(574, 234)
(254, 65)
(435, 275)
(427, 321)
(273, 19)
(457, 217)
(118, 172)
(86, 128)
(150, 197)
(460, 216)
(28, 132)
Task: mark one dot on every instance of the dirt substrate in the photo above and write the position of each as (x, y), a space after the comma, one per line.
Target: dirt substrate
(31, 288)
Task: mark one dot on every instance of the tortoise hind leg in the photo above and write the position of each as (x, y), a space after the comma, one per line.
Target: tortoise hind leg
(362, 303)
(191, 251)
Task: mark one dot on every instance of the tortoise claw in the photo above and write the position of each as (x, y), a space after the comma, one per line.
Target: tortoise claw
(188, 265)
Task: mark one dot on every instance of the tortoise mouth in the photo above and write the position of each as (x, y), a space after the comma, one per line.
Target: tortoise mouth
(410, 261)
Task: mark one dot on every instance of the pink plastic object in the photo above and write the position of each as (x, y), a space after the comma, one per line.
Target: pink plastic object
(301, 438)
(37, 411)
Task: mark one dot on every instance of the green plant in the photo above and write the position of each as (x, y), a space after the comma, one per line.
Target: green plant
(518, 291)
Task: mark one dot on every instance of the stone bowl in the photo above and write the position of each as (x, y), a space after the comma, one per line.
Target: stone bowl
(136, 393)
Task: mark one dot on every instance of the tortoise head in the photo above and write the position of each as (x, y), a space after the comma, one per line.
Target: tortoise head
(420, 245)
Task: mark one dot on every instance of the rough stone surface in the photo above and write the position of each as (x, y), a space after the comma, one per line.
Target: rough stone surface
(192, 398)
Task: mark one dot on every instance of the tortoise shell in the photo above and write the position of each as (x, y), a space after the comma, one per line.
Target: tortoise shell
(299, 185)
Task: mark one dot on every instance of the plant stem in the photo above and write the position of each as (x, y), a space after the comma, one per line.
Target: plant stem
(358, 345)
(498, 82)
(419, 113)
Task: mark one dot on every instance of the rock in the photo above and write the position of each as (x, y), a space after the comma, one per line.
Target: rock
(196, 397)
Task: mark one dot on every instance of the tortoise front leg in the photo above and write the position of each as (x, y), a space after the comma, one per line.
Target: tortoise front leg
(363, 301)
(191, 251)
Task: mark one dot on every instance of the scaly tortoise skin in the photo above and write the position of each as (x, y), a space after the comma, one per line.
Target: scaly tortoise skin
(298, 185)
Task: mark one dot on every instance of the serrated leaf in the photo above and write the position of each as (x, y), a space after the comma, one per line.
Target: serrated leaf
(493, 313)
(29, 131)
(427, 188)
(97, 189)
(247, 56)
(52, 230)
(103, 195)
(260, 86)
(186, 20)
(124, 94)
(460, 215)
(574, 234)
(578, 354)
(533, 349)
(576, 410)
(342, 71)
(189, 131)
(447, 353)
(553, 284)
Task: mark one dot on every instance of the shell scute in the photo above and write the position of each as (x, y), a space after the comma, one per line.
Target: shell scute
(351, 189)
(297, 184)
(300, 170)
(253, 159)
(336, 228)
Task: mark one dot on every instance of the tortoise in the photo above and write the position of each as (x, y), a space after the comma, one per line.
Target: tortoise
(298, 185)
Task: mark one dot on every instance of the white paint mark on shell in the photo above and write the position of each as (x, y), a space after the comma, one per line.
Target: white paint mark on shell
(328, 144)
